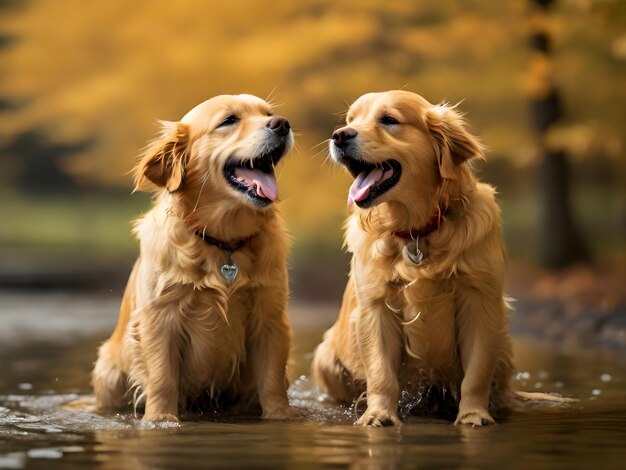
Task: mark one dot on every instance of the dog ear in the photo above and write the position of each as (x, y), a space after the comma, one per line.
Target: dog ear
(453, 143)
(164, 159)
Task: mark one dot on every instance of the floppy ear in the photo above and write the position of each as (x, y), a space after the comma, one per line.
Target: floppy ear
(164, 159)
(453, 144)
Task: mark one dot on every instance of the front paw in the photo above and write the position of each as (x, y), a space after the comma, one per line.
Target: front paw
(378, 418)
(154, 417)
(475, 417)
(282, 413)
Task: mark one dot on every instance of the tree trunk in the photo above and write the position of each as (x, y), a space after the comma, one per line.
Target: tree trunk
(560, 242)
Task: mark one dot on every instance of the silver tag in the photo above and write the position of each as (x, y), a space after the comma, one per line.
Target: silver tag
(413, 252)
(229, 270)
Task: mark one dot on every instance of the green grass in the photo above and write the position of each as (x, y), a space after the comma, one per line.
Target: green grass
(92, 226)
(98, 227)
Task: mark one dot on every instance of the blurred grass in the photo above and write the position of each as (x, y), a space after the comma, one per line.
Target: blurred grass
(97, 227)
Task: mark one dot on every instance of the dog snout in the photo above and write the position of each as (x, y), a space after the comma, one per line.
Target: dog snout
(279, 124)
(343, 136)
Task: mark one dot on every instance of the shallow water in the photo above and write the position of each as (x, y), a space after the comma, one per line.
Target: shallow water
(48, 343)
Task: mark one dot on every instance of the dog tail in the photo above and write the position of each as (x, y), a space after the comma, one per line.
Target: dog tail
(524, 400)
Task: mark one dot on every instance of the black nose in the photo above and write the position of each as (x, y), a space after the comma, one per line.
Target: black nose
(279, 124)
(342, 136)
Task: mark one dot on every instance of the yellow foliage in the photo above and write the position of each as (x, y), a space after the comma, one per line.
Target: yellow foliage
(109, 69)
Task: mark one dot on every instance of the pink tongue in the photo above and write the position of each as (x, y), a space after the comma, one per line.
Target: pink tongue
(362, 184)
(264, 184)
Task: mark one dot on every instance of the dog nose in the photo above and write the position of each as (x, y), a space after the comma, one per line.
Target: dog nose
(279, 124)
(342, 136)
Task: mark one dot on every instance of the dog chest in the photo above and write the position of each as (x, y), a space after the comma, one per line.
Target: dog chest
(213, 342)
(429, 324)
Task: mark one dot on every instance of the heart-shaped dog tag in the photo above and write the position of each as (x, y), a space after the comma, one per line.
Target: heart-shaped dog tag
(415, 257)
(413, 252)
(229, 272)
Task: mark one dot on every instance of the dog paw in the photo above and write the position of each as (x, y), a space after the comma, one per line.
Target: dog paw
(475, 418)
(283, 413)
(156, 417)
(378, 419)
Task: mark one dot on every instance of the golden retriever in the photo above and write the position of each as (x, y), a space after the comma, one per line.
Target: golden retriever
(423, 306)
(204, 311)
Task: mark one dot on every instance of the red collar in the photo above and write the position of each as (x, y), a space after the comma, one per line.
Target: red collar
(226, 246)
(427, 229)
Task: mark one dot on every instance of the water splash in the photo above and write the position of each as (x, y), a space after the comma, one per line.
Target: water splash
(316, 405)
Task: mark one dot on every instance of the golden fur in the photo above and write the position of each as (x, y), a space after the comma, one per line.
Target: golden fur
(443, 322)
(183, 334)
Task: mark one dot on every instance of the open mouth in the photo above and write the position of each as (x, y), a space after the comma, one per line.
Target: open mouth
(255, 177)
(371, 180)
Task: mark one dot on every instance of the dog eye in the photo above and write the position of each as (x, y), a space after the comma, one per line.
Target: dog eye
(387, 120)
(229, 121)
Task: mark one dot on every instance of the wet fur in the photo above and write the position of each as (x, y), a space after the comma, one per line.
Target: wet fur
(183, 335)
(442, 323)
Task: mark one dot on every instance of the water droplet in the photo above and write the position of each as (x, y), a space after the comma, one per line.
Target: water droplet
(558, 384)
(51, 429)
(25, 386)
(50, 453)
(606, 377)
(538, 384)
(596, 392)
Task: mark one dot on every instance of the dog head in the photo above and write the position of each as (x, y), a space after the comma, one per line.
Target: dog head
(223, 149)
(400, 147)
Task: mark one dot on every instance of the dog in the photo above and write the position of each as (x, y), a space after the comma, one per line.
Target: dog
(424, 305)
(204, 313)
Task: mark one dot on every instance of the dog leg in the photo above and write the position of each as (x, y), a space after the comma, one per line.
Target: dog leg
(480, 323)
(330, 374)
(379, 342)
(162, 358)
(268, 352)
(110, 384)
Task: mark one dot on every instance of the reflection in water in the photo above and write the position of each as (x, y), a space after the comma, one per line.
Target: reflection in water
(40, 374)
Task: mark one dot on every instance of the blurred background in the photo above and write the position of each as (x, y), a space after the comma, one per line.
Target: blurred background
(82, 83)
(542, 83)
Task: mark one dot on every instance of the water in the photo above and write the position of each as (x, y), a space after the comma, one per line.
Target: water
(48, 344)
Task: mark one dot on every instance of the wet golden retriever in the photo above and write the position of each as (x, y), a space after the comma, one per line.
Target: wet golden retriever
(424, 306)
(204, 311)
